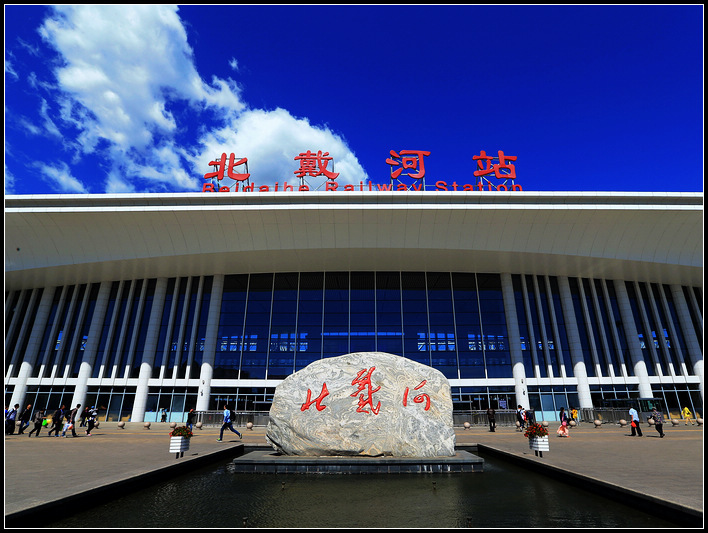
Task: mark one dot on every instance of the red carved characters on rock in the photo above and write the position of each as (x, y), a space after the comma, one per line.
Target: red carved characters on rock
(317, 401)
(363, 381)
(365, 391)
(418, 399)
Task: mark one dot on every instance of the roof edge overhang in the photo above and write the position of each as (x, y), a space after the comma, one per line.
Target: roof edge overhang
(66, 239)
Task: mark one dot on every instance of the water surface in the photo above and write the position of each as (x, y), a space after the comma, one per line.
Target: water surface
(504, 495)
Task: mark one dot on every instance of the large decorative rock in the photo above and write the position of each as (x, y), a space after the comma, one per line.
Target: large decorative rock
(368, 403)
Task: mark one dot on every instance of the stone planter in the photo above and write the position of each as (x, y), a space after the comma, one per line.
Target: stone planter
(179, 445)
(539, 445)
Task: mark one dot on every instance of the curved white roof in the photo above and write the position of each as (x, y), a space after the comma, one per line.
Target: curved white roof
(55, 240)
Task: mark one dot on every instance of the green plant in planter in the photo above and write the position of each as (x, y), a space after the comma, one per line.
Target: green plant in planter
(181, 431)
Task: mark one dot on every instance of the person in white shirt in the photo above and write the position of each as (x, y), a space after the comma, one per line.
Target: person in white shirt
(636, 430)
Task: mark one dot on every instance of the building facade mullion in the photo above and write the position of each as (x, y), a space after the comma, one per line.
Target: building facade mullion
(164, 363)
(94, 337)
(57, 371)
(591, 333)
(649, 342)
(148, 356)
(47, 365)
(454, 321)
(270, 327)
(542, 328)
(695, 307)
(83, 309)
(114, 364)
(673, 334)
(29, 297)
(195, 328)
(512, 325)
(135, 332)
(532, 335)
(602, 333)
(689, 333)
(18, 321)
(33, 346)
(631, 335)
(206, 372)
(622, 370)
(110, 336)
(242, 346)
(576, 350)
(181, 333)
(663, 330)
(558, 346)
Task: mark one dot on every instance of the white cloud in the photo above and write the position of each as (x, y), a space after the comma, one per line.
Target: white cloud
(123, 66)
(9, 181)
(9, 70)
(271, 140)
(115, 184)
(60, 177)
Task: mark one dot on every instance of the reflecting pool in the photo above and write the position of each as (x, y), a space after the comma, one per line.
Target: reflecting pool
(504, 495)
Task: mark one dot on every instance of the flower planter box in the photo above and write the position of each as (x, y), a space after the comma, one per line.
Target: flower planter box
(179, 445)
(539, 445)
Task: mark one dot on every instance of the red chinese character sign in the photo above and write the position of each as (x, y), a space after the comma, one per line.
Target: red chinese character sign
(402, 163)
(499, 167)
(368, 403)
(229, 169)
(314, 165)
(407, 160)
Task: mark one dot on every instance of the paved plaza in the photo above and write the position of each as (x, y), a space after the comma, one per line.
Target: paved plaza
(47, 471)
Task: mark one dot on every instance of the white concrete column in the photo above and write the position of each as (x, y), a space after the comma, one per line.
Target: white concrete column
(689, 333)
(18, 321)
(631, 335)
(512, 328)
(35, 340)
(148, 355)
(574, 344)
(94, 339)
(532, 333)
(210, 342)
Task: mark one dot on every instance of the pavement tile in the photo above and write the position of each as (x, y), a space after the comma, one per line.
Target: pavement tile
(42, 470)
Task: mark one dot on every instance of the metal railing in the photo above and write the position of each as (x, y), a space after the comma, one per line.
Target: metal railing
(260, 418)
(473, 417)
(216, 418)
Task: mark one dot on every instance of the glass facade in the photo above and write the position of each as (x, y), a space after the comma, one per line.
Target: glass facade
(114, 338)
(271, 325)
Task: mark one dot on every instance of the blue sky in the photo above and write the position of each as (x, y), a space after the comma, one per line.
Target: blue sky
(135, 99)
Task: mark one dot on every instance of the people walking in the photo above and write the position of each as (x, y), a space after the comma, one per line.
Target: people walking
(91, 417)
(227, 424)
(686, 413)
(38, 420)
(24, 419)
(491, 416)
(634, 422)
(520, 417)
(57, 421)
(84, 417)
(658, 418)
(10, 419)
(71, 421)
(190, 419)
(563, 428)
